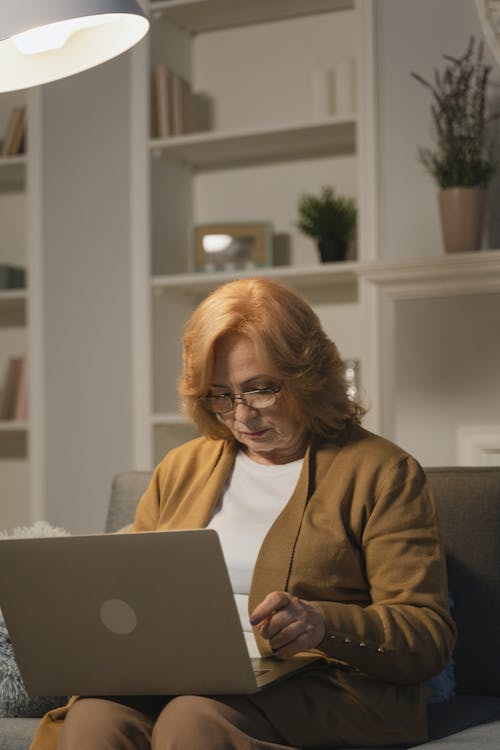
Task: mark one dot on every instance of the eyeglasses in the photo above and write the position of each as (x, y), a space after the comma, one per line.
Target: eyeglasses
(259, 398)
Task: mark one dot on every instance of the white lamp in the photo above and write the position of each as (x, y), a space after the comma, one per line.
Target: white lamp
(42, 40)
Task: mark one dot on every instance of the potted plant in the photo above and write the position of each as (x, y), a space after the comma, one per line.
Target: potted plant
(462, 160)
(330, 220)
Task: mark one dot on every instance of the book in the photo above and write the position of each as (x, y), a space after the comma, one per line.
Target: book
(17, 143)
(12, 277)
(181, 105)
(171, 100)
(21, 402)
(13, 128)
(161, 99)
(10, 388)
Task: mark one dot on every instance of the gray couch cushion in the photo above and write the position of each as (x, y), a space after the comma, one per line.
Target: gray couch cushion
(462, 712)
(126, 491)
(468, 502)
(482, 737)
(16, 734)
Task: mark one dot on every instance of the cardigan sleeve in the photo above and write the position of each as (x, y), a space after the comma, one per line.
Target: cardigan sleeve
(406, 634)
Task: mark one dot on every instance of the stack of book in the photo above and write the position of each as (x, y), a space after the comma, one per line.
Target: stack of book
(14, 393)
(14, 141)
(172, 103)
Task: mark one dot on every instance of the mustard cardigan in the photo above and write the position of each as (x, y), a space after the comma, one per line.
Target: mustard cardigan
(359, 537)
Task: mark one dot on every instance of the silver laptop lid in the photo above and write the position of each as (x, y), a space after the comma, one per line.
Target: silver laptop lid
(147, 613)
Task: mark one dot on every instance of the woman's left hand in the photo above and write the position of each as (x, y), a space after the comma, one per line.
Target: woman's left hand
(290, 624)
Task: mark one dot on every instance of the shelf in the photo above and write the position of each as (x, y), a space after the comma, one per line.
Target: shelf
(299, 276)
(13, 307)
(447, 275)
(12, 426)
(196, 16)
(335, 135)
(169, 420)
(467, 273)
(12, 173)
(13, 440)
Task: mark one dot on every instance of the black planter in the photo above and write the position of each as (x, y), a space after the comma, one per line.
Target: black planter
(332, 249)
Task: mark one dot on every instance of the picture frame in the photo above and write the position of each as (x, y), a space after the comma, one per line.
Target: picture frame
(478, 445)
(231, 245)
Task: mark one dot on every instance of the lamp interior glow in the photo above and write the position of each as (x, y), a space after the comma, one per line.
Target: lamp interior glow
(41, 43)
(55, 35)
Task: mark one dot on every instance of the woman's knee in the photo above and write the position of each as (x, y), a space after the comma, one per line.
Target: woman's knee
(101, 724)
(188, 721)
(195, 721)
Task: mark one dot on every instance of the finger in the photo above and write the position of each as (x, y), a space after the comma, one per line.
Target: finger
(285, 651)
(279, 620)
(286, 635)
(273, 602)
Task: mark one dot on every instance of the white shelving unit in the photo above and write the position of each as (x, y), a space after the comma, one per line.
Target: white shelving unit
(14, 458)
(221, 174)
(253, 164)
(330, 275)
(198, 16)
(12, 173)
(302, 140)
(21, 462)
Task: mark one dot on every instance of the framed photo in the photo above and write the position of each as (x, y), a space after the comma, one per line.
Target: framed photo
(478, 445)
(223, 247)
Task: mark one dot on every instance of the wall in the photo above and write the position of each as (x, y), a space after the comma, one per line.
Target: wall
(412, 35)
(248, 95)
(447, 374)
(86, 186)
(447, 353)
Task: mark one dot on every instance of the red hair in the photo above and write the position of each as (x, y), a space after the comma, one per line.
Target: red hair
(288, 336)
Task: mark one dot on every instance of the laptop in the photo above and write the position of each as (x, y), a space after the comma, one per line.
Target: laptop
(129, 614)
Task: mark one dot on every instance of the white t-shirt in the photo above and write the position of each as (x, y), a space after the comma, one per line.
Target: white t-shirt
(253, 497)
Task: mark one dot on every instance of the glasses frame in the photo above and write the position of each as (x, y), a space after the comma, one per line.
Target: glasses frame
(205, 401)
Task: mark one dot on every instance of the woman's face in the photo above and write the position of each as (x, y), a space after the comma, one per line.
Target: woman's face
(270, 435)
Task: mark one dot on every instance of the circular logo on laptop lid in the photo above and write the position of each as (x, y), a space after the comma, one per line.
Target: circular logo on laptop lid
(118, 616)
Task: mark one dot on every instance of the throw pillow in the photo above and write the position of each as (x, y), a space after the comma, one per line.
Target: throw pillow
(442, 685)
(14, 699)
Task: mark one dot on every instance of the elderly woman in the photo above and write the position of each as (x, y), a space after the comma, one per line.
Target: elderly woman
(329, 533)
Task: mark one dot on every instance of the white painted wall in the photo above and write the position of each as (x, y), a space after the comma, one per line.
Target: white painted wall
(227, 64)
(247, 94)
(447, 374)
(447, 351)
(412, 35)
(87, 324)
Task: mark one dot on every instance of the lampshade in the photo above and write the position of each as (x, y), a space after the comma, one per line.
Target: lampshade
(42, 40)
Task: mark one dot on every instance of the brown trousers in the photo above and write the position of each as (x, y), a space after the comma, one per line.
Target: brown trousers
(317, 709)
(187, 722)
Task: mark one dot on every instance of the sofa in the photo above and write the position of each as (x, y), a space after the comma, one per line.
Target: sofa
(468, 502)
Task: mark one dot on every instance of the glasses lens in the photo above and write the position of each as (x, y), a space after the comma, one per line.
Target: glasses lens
(217, 404)
(259, 399)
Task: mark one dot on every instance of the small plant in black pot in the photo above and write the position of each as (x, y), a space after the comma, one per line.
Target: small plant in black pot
(330, 220)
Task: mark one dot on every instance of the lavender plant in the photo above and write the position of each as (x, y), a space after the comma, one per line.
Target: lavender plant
(463, 155)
